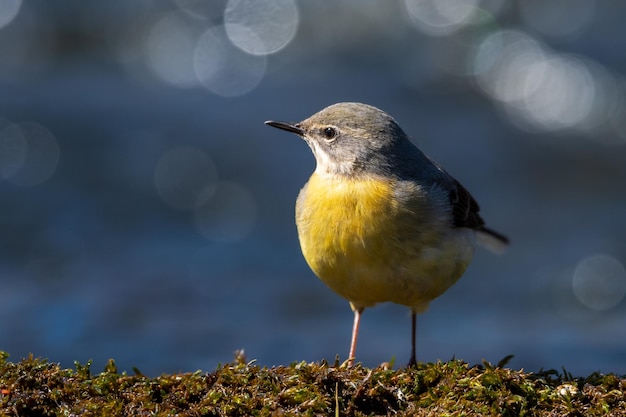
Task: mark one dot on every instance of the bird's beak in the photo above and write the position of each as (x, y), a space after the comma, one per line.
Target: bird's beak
(289, 127)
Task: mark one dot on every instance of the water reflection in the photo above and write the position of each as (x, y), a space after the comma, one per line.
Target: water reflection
(29, 153)
(599, 282)
(147, 212)
(229, 215)
(185, 177)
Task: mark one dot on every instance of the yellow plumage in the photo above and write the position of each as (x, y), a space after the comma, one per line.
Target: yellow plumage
(370, 246)
(378, 220)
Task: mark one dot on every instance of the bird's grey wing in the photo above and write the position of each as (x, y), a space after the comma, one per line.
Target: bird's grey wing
(463, 208)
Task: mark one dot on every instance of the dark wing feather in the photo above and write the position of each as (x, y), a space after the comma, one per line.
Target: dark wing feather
(464, 208)
(465, 213)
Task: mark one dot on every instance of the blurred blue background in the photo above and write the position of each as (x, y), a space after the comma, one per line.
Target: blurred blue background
(146, 213)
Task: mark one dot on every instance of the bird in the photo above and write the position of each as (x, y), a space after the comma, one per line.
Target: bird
(378, 220)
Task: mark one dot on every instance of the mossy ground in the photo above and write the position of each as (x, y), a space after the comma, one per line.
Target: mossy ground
(34, 387)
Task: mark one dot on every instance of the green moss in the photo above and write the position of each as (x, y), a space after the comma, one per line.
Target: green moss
(35, 387)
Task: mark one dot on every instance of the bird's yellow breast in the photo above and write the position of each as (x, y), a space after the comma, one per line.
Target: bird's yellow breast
(371, 246)
(345, 216)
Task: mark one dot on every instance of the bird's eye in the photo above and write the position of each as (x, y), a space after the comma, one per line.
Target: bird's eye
(329, 133)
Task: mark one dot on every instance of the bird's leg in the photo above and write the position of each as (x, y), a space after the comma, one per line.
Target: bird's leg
(412, 361)
(355, 334)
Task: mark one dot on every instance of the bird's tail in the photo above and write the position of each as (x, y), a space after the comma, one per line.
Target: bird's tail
(491, 240)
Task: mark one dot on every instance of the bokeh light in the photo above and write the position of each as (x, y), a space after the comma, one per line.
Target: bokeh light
(8, 11)
(185, 177)
(224, 69)
(29, 154)
(441, 17)
(542, 90)
(599, 282)
(261, 27)
(229, 216)
(185, 48)
(559, 93)
(501, 64)
(137, 105)
(170, 47)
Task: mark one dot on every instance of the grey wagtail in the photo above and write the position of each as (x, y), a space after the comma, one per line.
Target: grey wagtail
(379, 220)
